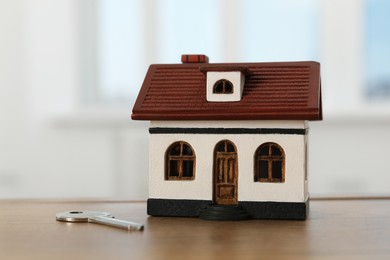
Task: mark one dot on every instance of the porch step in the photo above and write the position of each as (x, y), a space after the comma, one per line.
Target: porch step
(224, 212)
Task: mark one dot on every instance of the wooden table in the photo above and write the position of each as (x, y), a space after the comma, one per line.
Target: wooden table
(336, 229)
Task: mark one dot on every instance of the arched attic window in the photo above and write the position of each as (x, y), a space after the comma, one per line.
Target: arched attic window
(223, 86)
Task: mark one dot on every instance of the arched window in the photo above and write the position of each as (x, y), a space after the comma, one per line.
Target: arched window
(223, 86)
(269, 163)
(180, 162)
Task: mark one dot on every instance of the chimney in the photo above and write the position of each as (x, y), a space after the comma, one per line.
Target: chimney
(194, 58)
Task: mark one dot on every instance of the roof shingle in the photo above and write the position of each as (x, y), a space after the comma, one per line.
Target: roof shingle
(279, 90)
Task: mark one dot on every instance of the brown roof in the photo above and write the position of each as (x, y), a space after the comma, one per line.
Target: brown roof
(278, 90)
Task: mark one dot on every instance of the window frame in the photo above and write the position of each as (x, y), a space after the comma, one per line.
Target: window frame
(180, 158)
(270, 158)
(227, 87)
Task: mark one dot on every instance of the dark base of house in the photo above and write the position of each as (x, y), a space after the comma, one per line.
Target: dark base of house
(256, 210)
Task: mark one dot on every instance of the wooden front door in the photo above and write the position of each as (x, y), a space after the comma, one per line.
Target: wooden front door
(225, 173)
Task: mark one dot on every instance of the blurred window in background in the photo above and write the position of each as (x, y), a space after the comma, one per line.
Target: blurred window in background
(132, 34)
(280, 30)
(120, 48)
(377, 49)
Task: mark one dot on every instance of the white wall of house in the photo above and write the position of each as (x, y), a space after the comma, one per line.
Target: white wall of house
(292, 190)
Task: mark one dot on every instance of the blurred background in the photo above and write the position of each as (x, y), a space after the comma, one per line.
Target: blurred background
(70, 71)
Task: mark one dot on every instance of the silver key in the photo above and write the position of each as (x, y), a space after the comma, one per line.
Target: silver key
(98, 217)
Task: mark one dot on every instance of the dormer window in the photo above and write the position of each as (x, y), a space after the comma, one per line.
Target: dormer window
(225, 83)
(223, 86)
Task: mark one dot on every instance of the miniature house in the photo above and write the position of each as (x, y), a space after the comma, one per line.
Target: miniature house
(229, 135)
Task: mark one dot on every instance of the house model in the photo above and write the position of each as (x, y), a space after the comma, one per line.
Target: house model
(229, 140)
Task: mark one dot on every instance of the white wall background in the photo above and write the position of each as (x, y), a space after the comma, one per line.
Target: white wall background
(53, 144)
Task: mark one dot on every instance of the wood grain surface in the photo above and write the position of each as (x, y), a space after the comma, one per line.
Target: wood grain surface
(335, 229)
